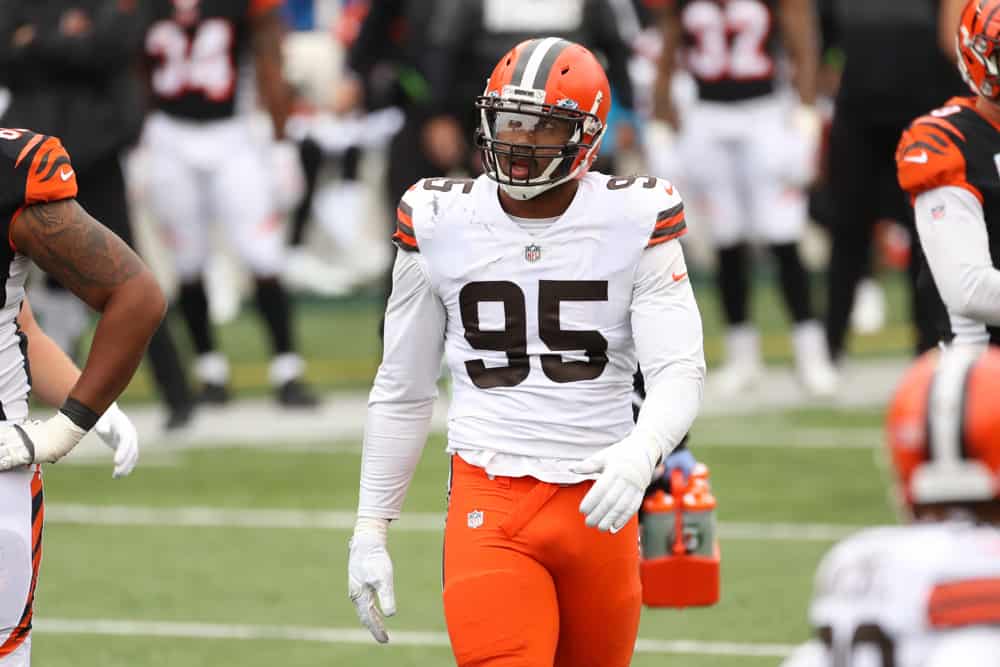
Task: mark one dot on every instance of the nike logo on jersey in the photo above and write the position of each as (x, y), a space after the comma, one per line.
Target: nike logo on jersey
(669, 188)
(678, 276)
(65, 175)
(917, 159)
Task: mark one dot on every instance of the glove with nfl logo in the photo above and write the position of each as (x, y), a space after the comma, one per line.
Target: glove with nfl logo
(369, 574)
(625, 470)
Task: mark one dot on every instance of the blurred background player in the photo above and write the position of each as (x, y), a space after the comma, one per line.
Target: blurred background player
(526, 580)
(928, 594)
(747, 150)
(946, 162)
(43, 222)
(70, 67)
(898, 65)
(206, 165)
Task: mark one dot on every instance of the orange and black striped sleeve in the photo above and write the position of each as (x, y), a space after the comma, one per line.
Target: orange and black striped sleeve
(405, 237)
(967, 602)
(930, 156)
(669, 225)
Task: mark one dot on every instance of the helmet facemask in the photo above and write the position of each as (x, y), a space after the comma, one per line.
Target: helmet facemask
(985, 51)
(529, 148)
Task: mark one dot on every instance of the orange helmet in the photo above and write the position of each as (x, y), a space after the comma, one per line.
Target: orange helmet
(943, 427)
(978, 46)
(540, 79)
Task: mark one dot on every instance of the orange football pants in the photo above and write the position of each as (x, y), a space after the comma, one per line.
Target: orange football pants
(528, 584)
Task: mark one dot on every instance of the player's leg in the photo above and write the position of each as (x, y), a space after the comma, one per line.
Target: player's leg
(778, 207)
(715, 180)
(499, 601)
(597, 585)
(853, 182)
(177, 201)
(21, 520)
(242, 194)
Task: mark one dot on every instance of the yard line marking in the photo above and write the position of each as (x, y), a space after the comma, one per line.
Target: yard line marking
(416, 522)
(359, 636)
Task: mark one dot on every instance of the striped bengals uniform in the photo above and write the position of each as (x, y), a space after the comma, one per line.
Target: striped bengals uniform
(901, 593)
(34, 169)
(954, 146)
(538, 337)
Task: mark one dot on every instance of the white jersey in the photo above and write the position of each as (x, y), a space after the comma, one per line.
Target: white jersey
(538, 337)
(908, 596)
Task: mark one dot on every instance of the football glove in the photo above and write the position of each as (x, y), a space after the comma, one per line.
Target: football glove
(679, 459)
(35, 441)
(369, 573)
(118, 432)
(625, 470)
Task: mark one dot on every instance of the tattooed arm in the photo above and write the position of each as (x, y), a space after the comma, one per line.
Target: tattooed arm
(93, 263)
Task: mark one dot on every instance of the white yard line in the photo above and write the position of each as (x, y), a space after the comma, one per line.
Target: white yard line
(418, 522)
(122, 628)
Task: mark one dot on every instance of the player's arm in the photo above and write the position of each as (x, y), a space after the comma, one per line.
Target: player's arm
(663, 103)
(89, 260)
(53, 375)
(800, 33)
(268, 33)
(952, 229)
(400, 407)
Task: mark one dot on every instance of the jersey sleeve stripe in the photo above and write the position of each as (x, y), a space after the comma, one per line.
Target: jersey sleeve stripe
(942, 125)
(672, 212)
(34, 141)
(969, 602)
(667, 234)
(404, 218)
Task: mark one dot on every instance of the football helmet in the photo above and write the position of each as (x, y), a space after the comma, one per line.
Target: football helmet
(978, 47)
(542, 116)
(943, 427)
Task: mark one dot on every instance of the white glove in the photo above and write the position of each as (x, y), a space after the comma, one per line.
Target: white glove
(118, 432)
(35, 441)
(626, 469)
(808, 125)
(288, 177)
(369, 572)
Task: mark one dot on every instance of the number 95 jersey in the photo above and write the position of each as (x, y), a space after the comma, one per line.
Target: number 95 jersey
(538, 333)
(907, 596)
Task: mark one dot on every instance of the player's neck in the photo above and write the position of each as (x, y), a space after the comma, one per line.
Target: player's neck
(550, 204)
(989, 110)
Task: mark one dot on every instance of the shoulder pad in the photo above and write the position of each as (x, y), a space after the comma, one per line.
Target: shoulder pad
(433, 194)
(930, 154)
(37, 166)
(654, 202)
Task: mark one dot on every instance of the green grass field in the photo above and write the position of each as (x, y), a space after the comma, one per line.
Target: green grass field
(237, 556)
(277, 580)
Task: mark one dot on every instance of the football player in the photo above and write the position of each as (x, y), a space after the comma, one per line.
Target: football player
(205, 164)
(749, 150)
(947, 162)
(543, 284)
(928, 594)
(43, 222)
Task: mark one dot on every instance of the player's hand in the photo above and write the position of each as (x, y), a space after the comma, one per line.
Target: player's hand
(625, 469)
(35, 441)
(369, 574)
(808, 126)
(679, 459)
(118, 432)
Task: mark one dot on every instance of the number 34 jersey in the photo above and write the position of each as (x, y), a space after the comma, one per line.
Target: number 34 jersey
(538, 327)
(907, 596)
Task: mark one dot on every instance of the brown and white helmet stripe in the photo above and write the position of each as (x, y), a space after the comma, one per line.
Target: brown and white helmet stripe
(535, 62)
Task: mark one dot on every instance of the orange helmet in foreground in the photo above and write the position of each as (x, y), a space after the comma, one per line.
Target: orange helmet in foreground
(978, 47)
(539, 83)
(943, 428)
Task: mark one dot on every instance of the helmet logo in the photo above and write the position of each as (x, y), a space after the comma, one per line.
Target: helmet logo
(567, 103)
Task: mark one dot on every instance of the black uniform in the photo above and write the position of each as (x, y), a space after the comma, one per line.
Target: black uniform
(730, 49)
(894, 72)
(955, 147)
(194, 55)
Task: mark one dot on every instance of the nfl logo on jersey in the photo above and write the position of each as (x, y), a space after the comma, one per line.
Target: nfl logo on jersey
(533, 253)
(475, 518)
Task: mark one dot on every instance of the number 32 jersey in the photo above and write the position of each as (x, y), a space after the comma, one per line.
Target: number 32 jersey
(907, 596)
(538, 327)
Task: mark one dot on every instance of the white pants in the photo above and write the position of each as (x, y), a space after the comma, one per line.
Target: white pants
(744, 166)
(20, 536)
(204, 172)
